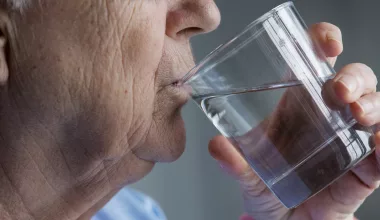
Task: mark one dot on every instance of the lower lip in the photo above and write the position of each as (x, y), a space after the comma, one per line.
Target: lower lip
(183, 87)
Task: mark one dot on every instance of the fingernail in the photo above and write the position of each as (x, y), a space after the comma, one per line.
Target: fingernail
(365, 106)
(334, 36)
(349, 82)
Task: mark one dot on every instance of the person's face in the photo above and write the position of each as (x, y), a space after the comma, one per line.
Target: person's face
(106, 70)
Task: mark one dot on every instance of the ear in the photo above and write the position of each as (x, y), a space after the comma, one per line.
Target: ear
(4, 65)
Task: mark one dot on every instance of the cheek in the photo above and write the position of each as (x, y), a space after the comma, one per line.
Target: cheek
(142, 47)
(143, 41)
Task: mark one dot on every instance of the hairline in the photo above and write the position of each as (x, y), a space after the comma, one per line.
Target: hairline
(14, 4)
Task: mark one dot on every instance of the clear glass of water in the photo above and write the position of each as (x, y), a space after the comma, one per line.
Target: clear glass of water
(263, 91)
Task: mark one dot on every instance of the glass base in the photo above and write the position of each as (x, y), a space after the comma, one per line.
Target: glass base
(321, 170)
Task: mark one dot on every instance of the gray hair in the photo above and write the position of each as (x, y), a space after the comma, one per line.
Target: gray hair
(14, 4)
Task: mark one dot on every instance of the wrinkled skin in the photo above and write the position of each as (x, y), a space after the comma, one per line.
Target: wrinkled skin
(353, 86)
(88, 101)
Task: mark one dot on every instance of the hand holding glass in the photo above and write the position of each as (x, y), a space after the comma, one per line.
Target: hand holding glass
(263, 91)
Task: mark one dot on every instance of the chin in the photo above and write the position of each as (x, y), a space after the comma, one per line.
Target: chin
(176, 147)
(165, 142)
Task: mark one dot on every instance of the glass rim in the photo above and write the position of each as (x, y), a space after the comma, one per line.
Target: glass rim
(223, 46)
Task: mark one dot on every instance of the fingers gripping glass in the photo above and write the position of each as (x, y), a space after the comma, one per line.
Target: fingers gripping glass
(263, 91)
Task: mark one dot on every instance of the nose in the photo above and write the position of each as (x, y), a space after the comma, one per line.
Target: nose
(187, 18)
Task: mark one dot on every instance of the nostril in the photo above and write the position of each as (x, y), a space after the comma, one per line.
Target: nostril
(190, 31)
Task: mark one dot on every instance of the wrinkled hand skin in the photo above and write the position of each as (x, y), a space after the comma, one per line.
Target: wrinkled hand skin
(354, 86)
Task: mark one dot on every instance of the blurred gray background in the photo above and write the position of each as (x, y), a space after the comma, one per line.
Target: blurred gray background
(194, 188)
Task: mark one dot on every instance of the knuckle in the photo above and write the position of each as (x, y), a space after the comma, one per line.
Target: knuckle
(363, 73)
(366, 69)
(338, 30)
(350, 69)
(365, 119)
(254, 190)
(376, 100)
(249, 177)
(368, 76)
(251, 184)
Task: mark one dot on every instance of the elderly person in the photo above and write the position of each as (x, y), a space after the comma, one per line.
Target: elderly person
(89, 103)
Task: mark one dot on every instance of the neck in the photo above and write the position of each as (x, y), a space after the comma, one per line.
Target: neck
(48, 173)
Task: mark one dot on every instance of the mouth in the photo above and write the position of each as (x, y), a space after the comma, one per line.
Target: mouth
(180, 84)
(180, 92)
(177, 83)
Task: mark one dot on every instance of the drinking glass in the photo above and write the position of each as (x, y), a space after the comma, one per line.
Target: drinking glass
(263, 90)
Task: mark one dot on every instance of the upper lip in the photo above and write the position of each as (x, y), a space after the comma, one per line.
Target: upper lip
(176, 82)
(178, 79)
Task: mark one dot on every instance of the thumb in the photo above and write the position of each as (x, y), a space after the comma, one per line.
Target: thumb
(228, 156)
(259, 201)
(233, 162)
